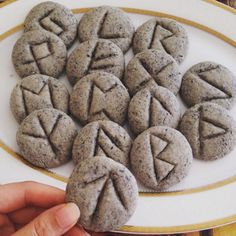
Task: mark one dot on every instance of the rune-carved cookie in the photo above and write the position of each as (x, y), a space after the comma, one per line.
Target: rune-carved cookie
(37, 92)
(45, 138)
(163, 34)
(105, 192)
(152, 107)
(39, 52)
(99, 96)
(152, 68)
(93, 56)
(107, 22)
(209, 82)
(102, 138)
(210, 130)
(160, 157)
(55, 18)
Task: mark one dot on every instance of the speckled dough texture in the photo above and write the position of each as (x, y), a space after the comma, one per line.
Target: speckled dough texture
(209, 82)
(99, 96)
(37, 92)
(163, 34)
(45, 138)
(39, 52)
(210, 130)
(95, 55)
(102, 138)
(55, 18)
(107, 23)
(105, 192)
(152, 107)
(150, 68)
(160, 157)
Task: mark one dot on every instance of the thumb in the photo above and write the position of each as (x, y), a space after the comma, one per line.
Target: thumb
(53, 222)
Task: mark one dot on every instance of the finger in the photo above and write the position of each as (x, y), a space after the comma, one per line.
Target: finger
(77, 231)
(53, 222)
(18, 195)
(25, 215)
(6, 227)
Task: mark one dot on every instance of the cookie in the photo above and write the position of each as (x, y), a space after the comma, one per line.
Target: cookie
(105, 192)
(150, 68)
(210, 130)
(55, 18)
(45, 138)
(99, 96)
(39, 52)
(92, 56)
(164, 34)
(37, 92)
(160, 157)
(102, 138)
(152, 107)
(209, 82)
(107, 22)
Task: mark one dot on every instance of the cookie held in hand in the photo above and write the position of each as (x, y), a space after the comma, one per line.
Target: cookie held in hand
(105, 192)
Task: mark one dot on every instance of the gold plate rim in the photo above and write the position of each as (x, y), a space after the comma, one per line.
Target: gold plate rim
(143, 229)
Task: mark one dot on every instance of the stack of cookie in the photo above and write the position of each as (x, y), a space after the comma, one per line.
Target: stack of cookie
(105, 96)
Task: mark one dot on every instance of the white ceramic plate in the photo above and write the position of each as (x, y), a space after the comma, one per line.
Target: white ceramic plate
(206, 197)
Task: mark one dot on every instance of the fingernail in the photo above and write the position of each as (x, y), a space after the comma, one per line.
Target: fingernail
(68, 215)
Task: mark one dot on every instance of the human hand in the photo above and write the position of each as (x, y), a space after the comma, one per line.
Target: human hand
(33, 209)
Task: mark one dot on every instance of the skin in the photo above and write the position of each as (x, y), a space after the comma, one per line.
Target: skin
(33, 209)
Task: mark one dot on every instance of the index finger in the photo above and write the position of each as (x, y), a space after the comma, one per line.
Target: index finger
(18, 195)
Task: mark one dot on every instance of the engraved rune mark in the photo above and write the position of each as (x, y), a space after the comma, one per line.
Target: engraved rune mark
(219, 89)
(162, 168)
(50, 24)
(46, 135)
(209, 129)
(97, 100)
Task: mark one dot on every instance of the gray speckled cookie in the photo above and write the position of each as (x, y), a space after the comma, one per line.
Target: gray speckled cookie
(37, 92)
(209, 82)
(105, 192)
(210, 130)
(45, 138)
(151, 107)
(39, 52)
(99, 96)
(107, 23)
(150, 68)
(95, 55)
(163, 34)
(55, 18)
(160, 157)
(102, 138)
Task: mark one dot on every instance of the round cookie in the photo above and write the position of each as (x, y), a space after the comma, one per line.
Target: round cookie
(39, 52)
(37, 92)
(55, 18)
(160, 157)
(210, 130)
(105, 192)
(102, 138)
(152, 107)
(95, 55)
(163, 34)
(150, 68)
(107, 23)
(45, 138)
(99, 96)
(209, 82)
